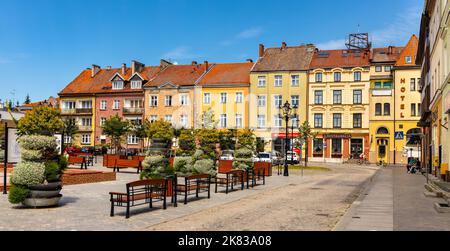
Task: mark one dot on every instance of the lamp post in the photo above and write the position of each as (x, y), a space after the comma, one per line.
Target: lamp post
(287, 111)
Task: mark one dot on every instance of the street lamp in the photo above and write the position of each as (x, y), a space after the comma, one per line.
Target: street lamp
(287, 111)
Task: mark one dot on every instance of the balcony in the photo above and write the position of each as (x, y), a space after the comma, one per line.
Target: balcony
(65, 111)
(77, 111)
(382, 92)
(82, 128)
(133, 110)
(83, 111)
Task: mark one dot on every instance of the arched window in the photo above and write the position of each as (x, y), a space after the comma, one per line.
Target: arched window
(382, 131)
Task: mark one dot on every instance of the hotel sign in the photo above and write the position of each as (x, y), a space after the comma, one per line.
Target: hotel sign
(338, 136)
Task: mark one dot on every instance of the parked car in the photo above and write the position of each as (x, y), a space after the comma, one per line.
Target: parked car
(264, 157)
(227, 155)
(293, 158)
(277, 158)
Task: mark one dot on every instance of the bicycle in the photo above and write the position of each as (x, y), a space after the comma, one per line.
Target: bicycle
(363, 162)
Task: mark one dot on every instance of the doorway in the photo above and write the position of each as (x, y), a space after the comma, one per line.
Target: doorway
(356, 148)
(382, 147)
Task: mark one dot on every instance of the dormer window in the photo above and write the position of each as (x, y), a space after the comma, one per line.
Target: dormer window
(136, 84)
(117, 85)
(408, 59)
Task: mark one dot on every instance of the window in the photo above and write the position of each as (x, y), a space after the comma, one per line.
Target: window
(378, 68)
(132, 140)
(168, 100)
(223, 98)
(357, 120)
(168, 118)
(183, 99)
(413, 110)
(238, 120)
(318, 97)
(261, 81)
(387, 109)
(207, 98)
(408, 59)
(378, 109)
(295, 120)
(319, 77)
(85, 139)
(153, 118)
(223, 120)
(103, 105)
(337, 77)
(102, 121)
(67, 139)
(357, 97)
(184, 121)
(69, 104)
(387, 85)
(278, 100)
(86, 121)
(116, 105)
(277, 121)
(378, 85)
(337, 120)
(387, 68)
(337, 97)
(261, 101)
(357, 76)
(318, 120)
(261, 121)
(413, 84)
(295, 80)
(318, 147)
(295, 101)
(239, 97)
(136, 84)
(153, 101)
(336, 146)
(382, 131)
(419, 109)
(278, 81)
(134, 103)
(117, 85)
(86, 104)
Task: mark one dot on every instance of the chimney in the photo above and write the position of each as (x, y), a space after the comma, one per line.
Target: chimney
(124, 69)
(391, 50)
(108, 68)
(261, 50)
(164, 63)
(283, 45)
(95, 69)
(194, 62)
(206, 66)
(136, 67)
(249, 60)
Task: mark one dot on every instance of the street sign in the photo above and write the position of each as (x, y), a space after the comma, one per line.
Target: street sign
(399, 135)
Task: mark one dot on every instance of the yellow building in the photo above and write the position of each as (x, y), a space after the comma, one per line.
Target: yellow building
(279, 76)
(224, 90)
(339, 82)
(395, 104)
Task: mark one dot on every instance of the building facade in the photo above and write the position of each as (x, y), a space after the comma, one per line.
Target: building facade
(339, 82)
(280, 75)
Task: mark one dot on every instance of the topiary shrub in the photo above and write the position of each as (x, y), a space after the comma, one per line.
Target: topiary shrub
(37, 142)
(17, 194)
(243, 159)
(52, 172)
(31, 155)
(183, 165)
(205, 166)
(28, 174)
(154, 167)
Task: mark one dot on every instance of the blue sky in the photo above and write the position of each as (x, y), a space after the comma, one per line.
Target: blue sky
(44, 44)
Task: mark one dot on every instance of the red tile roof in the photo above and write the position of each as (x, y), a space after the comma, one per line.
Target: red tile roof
(386, 54)
(228, 74)
(291, 58)
(339, 58)
(179, 75)
(409, 50)
(101, 82)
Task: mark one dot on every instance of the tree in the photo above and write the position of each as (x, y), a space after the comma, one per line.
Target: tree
(305, 134)
(70, 128)
(115, 128)
(247, 139)
(27, 99)
(160, 130)
(186, 142)
(139, 130)
(41, 120)
(227, 139)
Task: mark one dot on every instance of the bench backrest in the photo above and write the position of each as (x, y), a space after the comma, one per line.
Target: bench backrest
(75, 159)
(145, 189)
(235, 172)
(198, 176)
(127, 163)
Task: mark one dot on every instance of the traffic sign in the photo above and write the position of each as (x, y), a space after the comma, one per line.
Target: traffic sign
(399, 135)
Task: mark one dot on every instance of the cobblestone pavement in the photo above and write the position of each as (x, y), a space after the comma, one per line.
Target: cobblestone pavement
(395, 201)
(313, 202)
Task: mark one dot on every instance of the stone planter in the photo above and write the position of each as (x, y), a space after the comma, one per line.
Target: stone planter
(44, 195)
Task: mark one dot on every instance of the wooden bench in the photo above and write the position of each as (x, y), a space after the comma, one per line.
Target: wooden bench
(89, 158)
(199, 183)
(140, 193)
(73, 160)
(255, 175)
(126, 163)
(232, 178)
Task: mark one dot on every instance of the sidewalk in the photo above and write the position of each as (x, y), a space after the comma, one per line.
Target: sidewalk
(394, 200)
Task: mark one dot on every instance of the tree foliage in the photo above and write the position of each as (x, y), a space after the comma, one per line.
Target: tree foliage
(208, 139)
(186, 142)
(116, 128)
(40, 120)
(247, 139)
(160, 130)
(27, 99)
(305, 134)
(70, 128)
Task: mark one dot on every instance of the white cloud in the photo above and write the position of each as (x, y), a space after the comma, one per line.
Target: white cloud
(245, 34)
(332, 44)
(180, 53)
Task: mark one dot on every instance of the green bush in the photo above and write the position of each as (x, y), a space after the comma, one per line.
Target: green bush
(198, 155)
(183, 165)
(31, 155)
(17, 194)
(52, 172)
(205, 166)
(37, 142)
(155, 167)
(63, 163)
(243, 159)
(28, 173)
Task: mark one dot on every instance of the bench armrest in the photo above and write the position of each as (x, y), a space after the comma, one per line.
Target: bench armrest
(117, 193)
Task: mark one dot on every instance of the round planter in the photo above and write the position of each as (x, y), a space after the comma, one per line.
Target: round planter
(49, 187)
(44, 194)
(42, 202)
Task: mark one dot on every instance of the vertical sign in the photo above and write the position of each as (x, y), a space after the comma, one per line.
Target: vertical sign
(13, 146)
